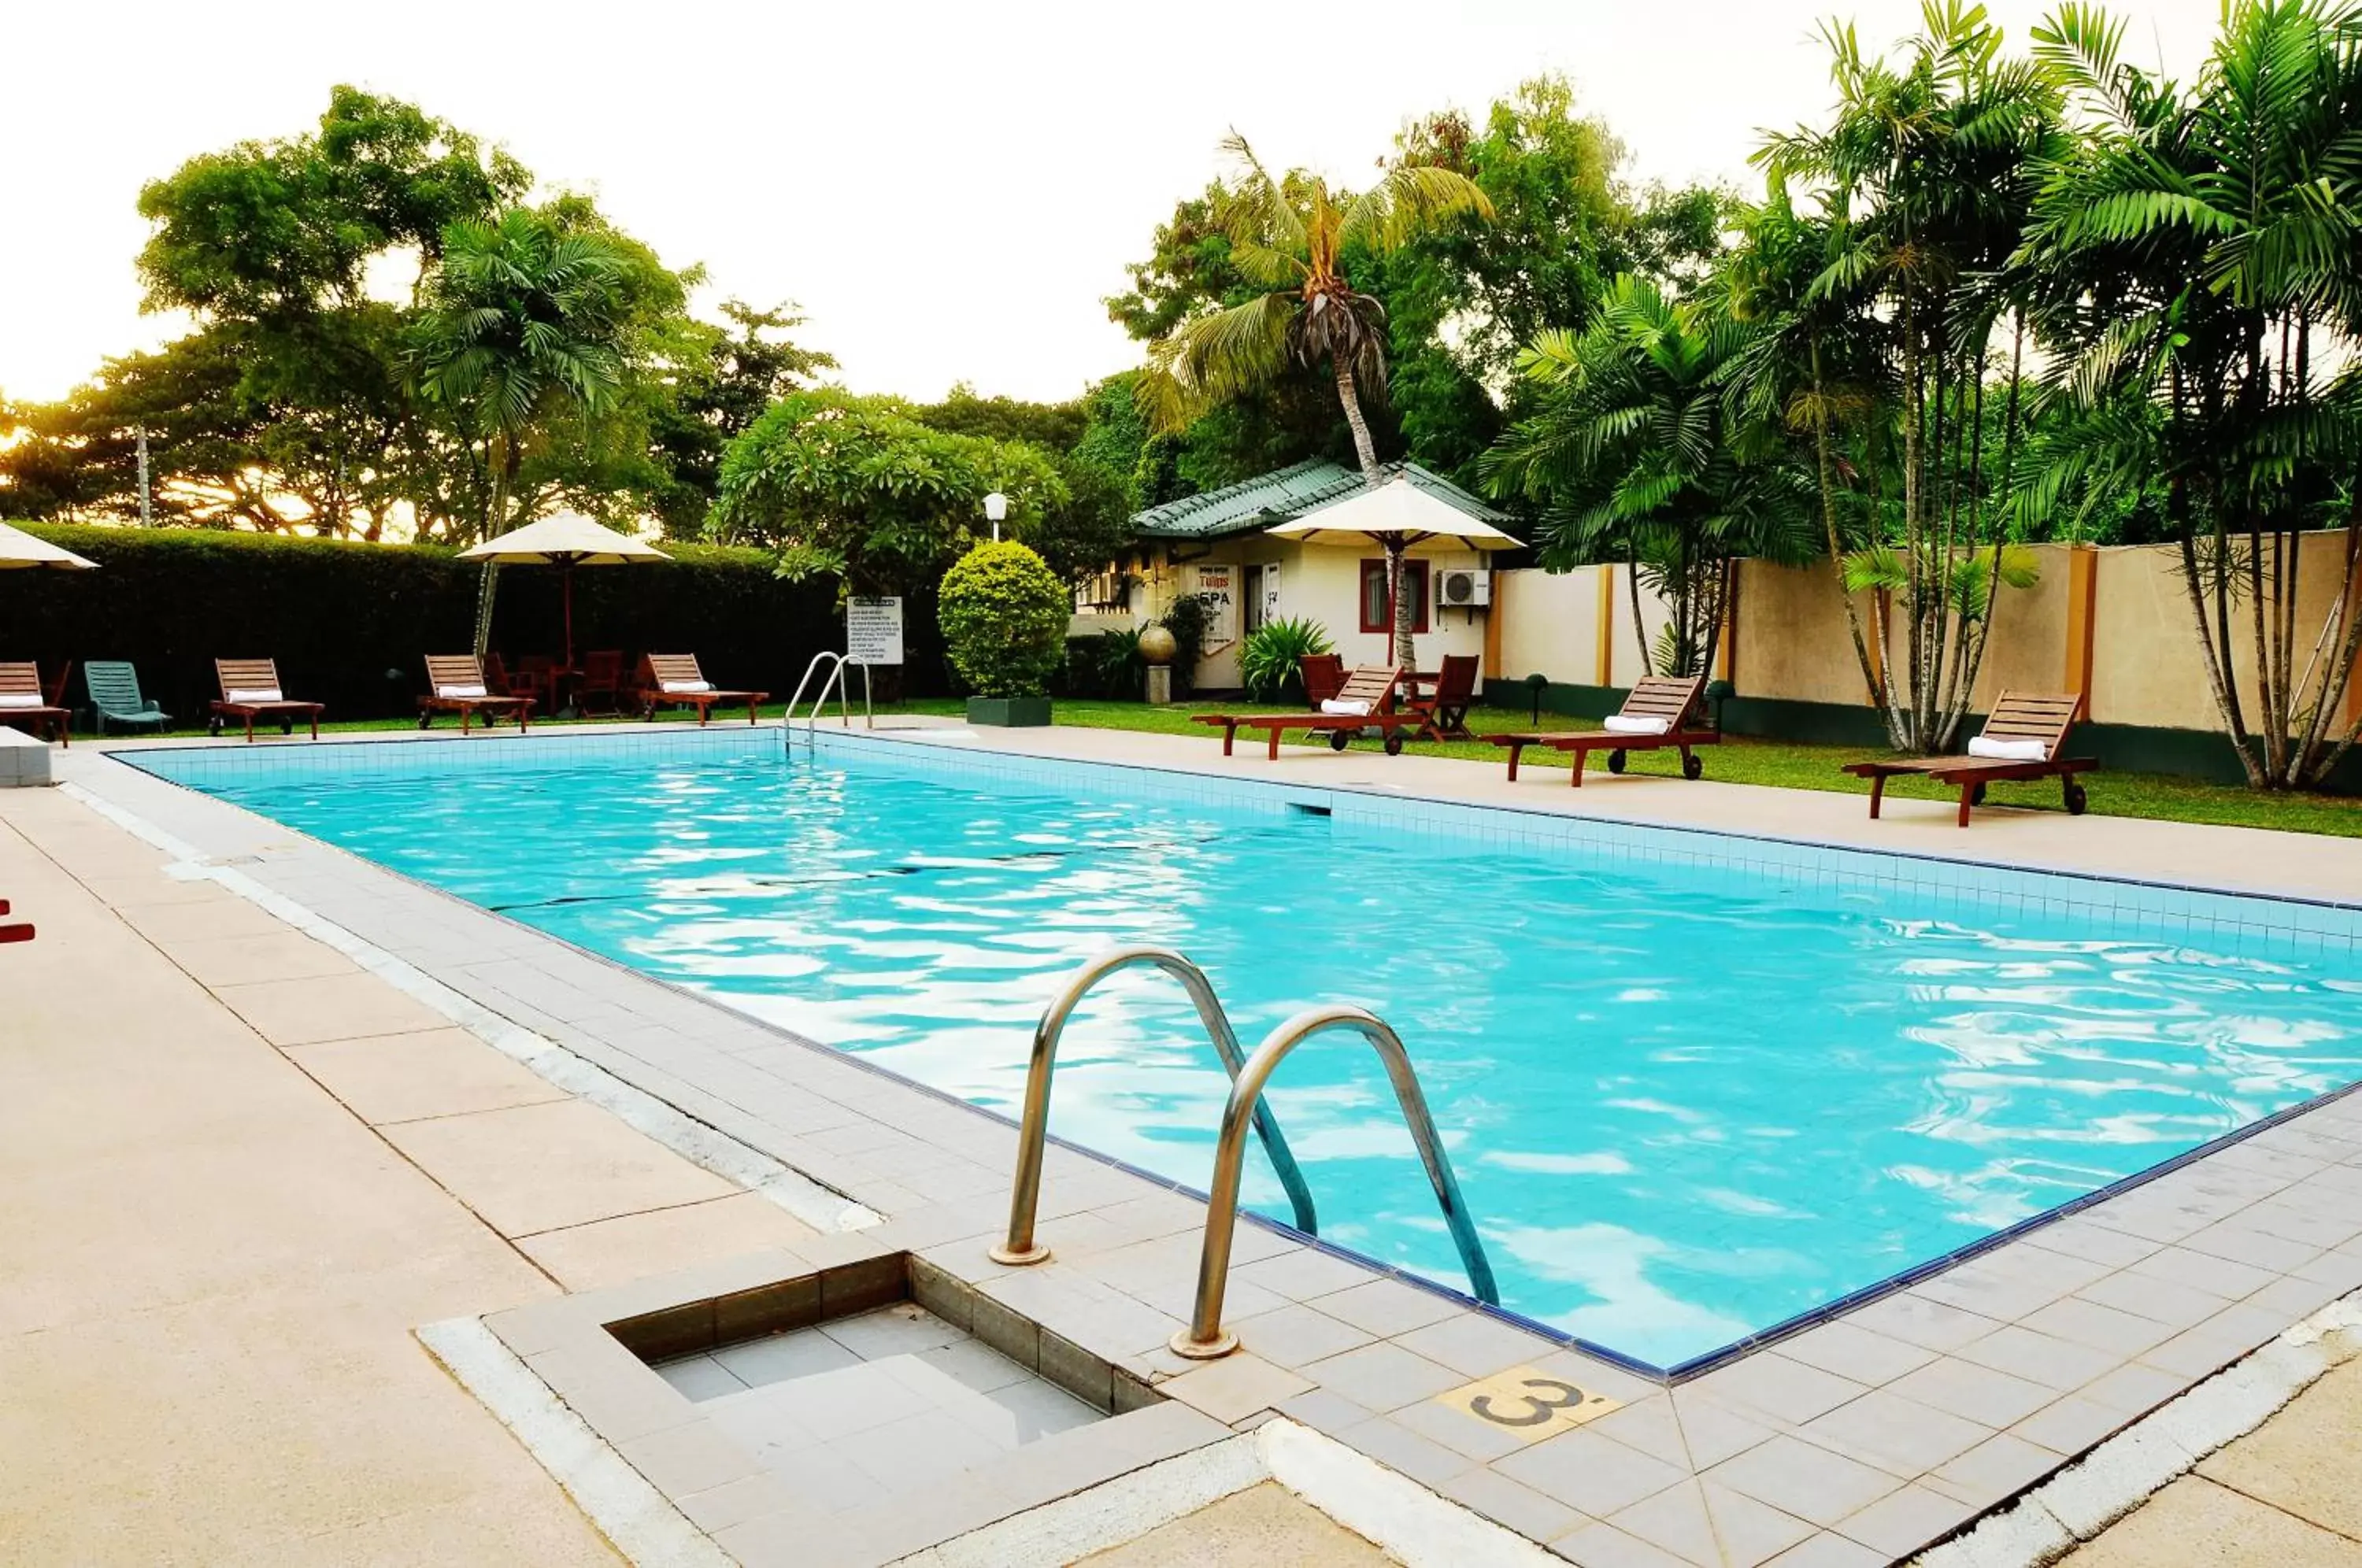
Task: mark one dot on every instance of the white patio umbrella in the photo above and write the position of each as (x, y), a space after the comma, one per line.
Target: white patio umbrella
(1398, 515)
(566, 541)
(18, 548)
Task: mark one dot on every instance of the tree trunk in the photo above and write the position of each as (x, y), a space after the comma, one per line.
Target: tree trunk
(1398, 595)
(1828, 468)
(1364, 449)
(1640, 627)
(2225, 700)
(1406, 603)
(503, 472)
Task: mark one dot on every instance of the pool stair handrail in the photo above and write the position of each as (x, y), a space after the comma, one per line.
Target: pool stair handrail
(834, 680)
(1205, 1339)
(1020, 1247)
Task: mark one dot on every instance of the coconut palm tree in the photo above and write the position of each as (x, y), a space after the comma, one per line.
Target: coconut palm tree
(2195, 270)
(524, 323)
(1289, 236)
(1641, 447)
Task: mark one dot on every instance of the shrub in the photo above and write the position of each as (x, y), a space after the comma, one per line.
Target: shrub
(1269, 665)
(1116, 664)
(1004, 614)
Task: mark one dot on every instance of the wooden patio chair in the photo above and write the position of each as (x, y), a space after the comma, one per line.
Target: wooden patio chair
(1323, 675)
(114, 689)
(2023, 738)
(601, 682)
(456, 684)
(1364, 703)
(1444, 714)
(674, 680)
(250, 690)
(23, 702)
(1661, 711)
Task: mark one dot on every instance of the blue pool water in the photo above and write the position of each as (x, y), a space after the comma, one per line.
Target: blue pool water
(1684, 1103)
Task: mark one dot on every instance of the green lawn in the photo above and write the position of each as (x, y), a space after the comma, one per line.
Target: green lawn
(1736, 761)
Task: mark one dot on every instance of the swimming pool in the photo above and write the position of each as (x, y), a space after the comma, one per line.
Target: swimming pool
(1693, 1086)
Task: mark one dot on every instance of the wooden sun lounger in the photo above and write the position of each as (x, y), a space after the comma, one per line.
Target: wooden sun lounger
(1371, 683)
(22, 680)
(2046, 717)
(1677, 700)
(673, 679)
(242, 680)
(453, 684)
(20, 931)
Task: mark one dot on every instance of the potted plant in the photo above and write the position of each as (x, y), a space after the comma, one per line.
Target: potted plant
(1004, 615)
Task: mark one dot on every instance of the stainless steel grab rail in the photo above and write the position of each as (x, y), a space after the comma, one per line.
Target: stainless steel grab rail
(787, 720)
(1204, 1339)
(834, 680)
(1025, 1191)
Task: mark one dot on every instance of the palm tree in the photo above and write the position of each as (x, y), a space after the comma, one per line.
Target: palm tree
(2194, 266)
(1289, 238)
(1641, 446)
(1926, 173)
(524, 323)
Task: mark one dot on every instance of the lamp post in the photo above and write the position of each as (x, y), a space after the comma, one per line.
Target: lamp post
(996, 507)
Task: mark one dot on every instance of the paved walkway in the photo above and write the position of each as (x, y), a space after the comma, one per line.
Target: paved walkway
(236, 1172)
(2289, 1495)
(508, 1171)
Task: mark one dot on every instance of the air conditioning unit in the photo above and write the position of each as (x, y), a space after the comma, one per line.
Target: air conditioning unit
(1463, 588)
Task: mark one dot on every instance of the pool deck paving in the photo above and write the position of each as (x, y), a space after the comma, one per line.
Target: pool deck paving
(1860, 1440)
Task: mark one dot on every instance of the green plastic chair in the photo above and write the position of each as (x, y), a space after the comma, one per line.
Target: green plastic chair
(114, 687)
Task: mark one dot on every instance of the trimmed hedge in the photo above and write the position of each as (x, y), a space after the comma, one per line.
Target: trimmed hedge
(351, 623)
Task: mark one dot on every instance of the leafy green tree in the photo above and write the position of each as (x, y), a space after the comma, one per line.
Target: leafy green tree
(1562, 227)
(275, 232)
(1287, 237)
(1925, 173)
(2193, 261)
(854, 488)
(1053, 426)
(723, 378)
(1641, 448)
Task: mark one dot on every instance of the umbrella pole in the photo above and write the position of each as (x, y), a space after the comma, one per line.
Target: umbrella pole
(569, 612)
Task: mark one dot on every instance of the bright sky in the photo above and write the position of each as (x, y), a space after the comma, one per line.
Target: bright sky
(948, 189)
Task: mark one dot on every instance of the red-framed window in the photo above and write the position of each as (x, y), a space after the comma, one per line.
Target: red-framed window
(1377, 610)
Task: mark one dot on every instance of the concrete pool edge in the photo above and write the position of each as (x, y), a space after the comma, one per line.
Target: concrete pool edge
(1780, 1410)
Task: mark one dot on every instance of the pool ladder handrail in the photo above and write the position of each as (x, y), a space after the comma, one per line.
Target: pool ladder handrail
(1205, 1339)
(1020, 1247)
(834, 680)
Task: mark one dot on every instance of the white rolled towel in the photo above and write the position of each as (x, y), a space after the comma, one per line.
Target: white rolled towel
(461, 692)
(21, 699)
(1632, 724)
(2009, 750)
(1345, 709)
(678, 686)
(255, 694)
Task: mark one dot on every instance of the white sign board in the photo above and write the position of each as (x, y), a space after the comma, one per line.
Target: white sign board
(1218, 585)
(873, 630)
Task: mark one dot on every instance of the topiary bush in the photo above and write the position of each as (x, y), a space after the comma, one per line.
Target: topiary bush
(1004, 614)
